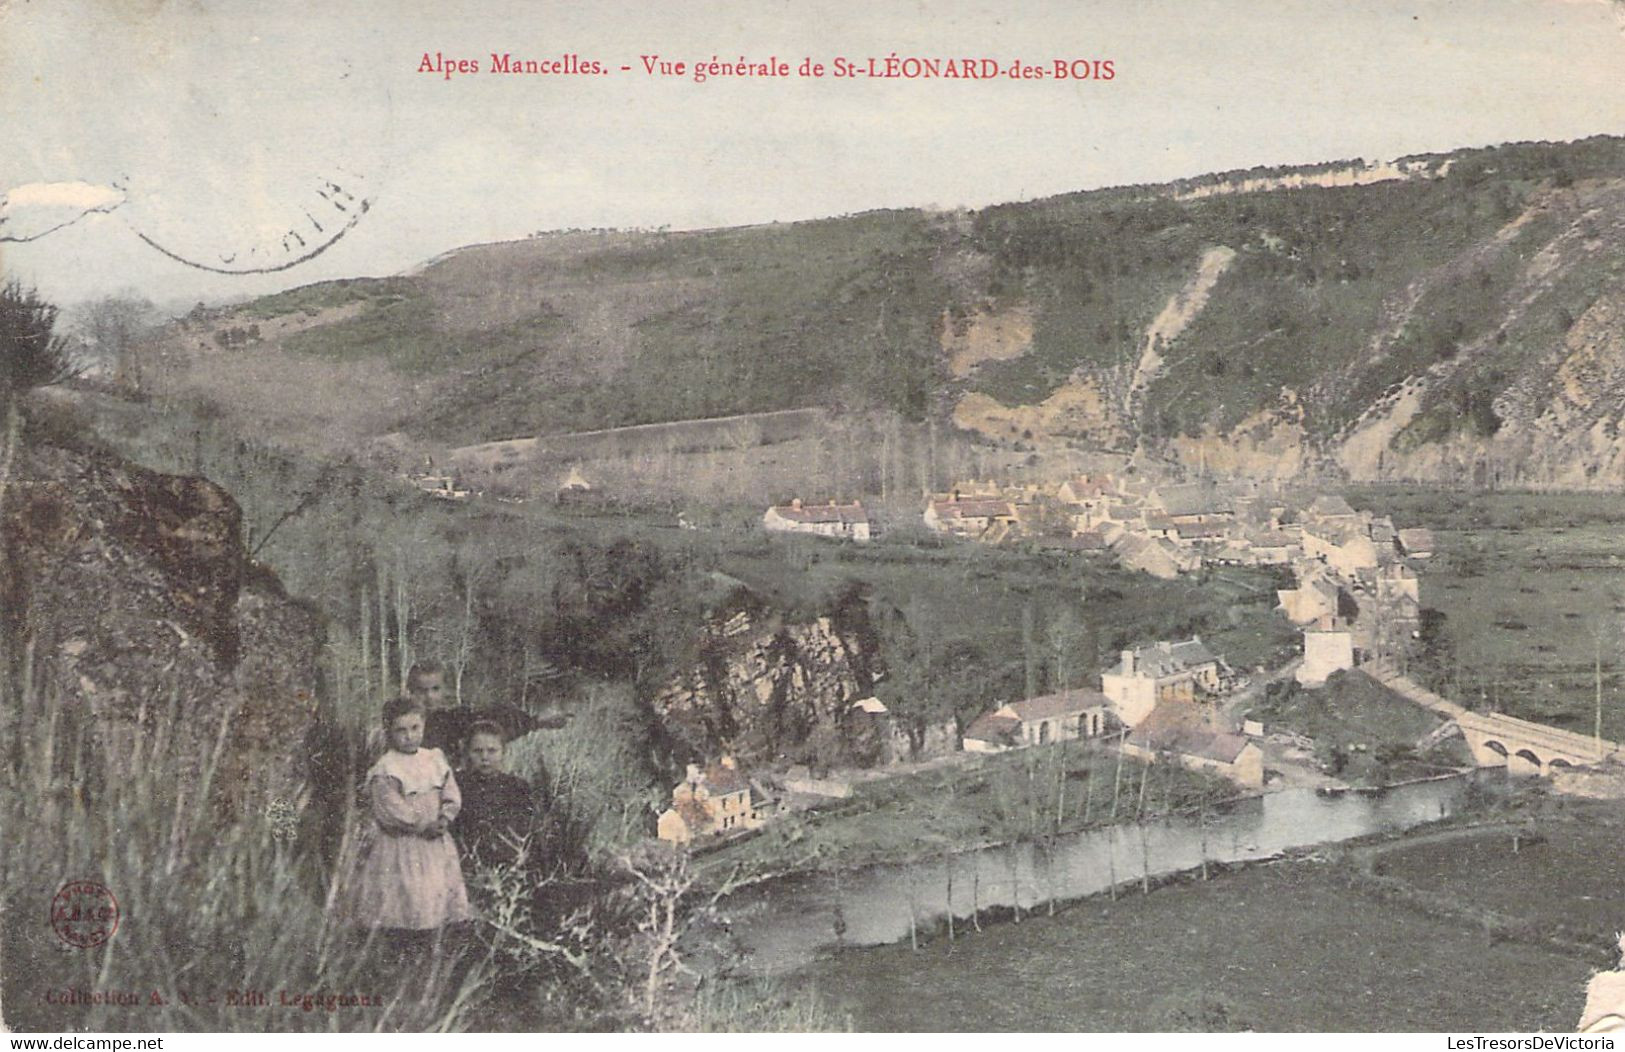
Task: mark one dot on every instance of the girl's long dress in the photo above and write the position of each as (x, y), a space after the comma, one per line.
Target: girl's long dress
(405, 880)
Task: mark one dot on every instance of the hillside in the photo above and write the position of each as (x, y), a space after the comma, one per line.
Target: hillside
(1445, 317)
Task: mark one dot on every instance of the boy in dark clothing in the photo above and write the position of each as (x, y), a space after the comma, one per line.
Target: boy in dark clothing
(426, 684)
(499, 809)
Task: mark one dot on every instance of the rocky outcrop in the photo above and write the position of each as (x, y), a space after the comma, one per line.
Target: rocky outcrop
(766, 690)
(134, 615)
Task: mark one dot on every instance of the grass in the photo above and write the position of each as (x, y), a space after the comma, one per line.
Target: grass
(1291, 946)
(1532, 589)
(207, 909)
(1362, 730)
(228, 925)
(998, 798)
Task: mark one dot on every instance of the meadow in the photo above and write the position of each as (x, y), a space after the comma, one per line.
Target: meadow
(1529, 590)
(1306, 943)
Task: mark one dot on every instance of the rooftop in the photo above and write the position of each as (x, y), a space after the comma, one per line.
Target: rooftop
(1061, 703)
(1178, 727)
(1329, 506)
(1167, 659)
(796, 511)
(976, 508)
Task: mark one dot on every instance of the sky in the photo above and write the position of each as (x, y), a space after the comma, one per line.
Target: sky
(215, 150)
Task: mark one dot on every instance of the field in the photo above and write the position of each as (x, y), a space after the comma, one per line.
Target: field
(1532, 592)
(1290, 946)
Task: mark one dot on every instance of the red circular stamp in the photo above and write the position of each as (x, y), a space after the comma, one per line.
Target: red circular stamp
(84, 913)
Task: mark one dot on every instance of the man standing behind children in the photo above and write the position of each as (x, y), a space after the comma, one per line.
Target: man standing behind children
(448, 725)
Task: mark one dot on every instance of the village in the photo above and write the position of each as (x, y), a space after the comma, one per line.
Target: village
(1350, 589)
(1356, 602)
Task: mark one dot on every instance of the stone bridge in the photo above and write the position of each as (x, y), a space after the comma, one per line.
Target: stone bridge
(1498, 740)
(1523, 747)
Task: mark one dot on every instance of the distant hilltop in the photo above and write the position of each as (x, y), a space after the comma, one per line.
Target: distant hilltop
(1355, 173)
(1453, 317)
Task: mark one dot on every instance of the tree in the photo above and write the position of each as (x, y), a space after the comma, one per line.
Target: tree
(31, 355)
(113, 329)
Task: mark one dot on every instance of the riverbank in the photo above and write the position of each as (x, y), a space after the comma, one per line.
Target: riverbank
(1448, 927)
(976, 803)
(1354, 733)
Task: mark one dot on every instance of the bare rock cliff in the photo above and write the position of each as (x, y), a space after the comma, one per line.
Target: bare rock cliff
(765, 689)
(134, 615)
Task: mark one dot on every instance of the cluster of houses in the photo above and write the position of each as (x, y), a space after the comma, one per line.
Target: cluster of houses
(1159, 702)
(1165, 529)
(1357, 595)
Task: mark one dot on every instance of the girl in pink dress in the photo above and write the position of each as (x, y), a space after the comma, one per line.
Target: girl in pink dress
(409, 878)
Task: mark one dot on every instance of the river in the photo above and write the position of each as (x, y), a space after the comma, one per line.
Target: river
(784, 924)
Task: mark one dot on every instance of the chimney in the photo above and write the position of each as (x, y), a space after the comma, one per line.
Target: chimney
(728, 762)
(1128, 662)
(795, 502)
(694, 773)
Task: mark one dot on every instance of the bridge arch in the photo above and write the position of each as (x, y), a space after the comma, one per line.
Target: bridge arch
(1524, 761)
(1496, 747)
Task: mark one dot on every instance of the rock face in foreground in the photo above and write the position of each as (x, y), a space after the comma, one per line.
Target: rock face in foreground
(766, 690)
(150, 632)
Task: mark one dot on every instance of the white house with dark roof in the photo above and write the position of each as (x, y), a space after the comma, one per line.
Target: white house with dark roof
(1208, 530)
(1155, 556)
(1063, 716)
(1146, 676)
(845, 521)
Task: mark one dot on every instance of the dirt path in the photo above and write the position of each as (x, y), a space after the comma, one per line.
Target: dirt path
(1412, 690)
(1180, 310)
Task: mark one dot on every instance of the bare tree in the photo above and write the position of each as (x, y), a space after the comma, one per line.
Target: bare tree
(114, 328)
(669, 904)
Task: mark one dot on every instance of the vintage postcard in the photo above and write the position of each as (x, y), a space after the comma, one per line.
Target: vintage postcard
(812, 516)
